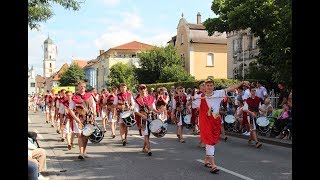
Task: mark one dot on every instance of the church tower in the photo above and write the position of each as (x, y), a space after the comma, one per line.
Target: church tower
(50, 56)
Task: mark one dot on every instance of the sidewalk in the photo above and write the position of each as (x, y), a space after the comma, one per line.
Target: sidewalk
(263, 139)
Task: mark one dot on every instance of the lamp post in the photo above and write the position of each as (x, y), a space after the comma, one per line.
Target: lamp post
(243, 58)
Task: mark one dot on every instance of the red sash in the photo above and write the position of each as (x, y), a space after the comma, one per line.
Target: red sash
(209, 126)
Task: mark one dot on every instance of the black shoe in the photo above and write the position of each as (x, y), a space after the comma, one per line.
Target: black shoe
(124, 142)
(149, 153)
(81, 156)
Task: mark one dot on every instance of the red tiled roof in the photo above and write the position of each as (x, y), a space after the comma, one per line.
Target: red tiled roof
(134, 45)
(80, 63)
(90, 63)
(57, 75)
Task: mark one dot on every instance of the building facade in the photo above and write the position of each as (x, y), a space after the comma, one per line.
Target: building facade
(90, 72)
(242, 52)
(32, 89)
(201, 55)
(125, 53)
(50, 56)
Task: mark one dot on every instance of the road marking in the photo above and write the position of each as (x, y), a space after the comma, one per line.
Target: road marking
(39, 135)
(230, 172)
(141, 137)
(29, 121)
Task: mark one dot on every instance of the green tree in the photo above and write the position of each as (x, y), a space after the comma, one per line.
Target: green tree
(270, 20)
(174, 73)
(154, 61)
(122, 73)
(41, 10)
(72, 76)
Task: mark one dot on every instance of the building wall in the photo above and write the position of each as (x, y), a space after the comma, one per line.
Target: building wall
(31, 83)
(182, 44)
(50, 56)
(198, 60)
(242, 49)
(91, 76)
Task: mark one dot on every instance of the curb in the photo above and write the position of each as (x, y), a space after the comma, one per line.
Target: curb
(273, 141)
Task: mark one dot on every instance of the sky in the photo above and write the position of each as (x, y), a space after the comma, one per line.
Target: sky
(103, 24)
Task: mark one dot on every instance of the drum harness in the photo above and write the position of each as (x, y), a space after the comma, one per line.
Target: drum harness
(88, 110)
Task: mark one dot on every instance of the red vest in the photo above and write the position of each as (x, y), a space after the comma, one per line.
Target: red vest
(122, 97)
(180, 100)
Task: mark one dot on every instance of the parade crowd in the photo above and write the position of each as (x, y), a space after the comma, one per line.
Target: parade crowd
(245, 108)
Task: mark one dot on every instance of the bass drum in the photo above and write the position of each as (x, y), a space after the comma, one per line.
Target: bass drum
(97, 135)
(128, 118)
(88, 129)
(158, 128)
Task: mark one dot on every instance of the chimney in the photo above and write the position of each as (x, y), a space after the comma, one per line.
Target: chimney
(198, 18)
(101, 52)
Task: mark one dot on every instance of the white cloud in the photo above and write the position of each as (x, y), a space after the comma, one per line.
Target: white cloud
(115, 38)
(131, 20)
(110, 2)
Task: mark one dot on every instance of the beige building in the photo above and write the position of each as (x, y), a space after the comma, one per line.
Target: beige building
(125, 53)
(202, 56)
(242, 52)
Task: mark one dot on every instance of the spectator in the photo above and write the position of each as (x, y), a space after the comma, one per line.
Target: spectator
(32, 169)
(283, 97)
(266, 108)
(261, 92)
(38, 156)
(283, 120)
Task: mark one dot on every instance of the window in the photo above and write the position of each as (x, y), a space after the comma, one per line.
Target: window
(182, 59)
(235, 47)
(210, 59)
(50, 56)
(46, 49)
(182, 39)
(32, 84)
(50, 65)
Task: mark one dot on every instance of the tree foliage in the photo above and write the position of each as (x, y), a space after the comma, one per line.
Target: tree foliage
(122, 73)
(154, 61)
(72, 76)
(41, 10)
(270, 20)
(175, 73)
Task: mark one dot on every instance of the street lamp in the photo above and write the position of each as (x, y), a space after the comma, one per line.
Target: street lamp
(243, 58)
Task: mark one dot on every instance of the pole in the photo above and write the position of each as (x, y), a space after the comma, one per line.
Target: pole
(243, 58)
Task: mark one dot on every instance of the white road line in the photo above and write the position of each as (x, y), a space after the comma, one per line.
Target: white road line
(29, 121)
(39, 135)
(230, 172)
(141, 137)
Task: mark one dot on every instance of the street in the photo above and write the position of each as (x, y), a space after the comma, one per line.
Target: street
(170, 159)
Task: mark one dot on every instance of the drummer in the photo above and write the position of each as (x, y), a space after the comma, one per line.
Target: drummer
(124, 102)
(144, 107)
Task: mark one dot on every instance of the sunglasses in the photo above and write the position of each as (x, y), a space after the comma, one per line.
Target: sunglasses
(143, 87)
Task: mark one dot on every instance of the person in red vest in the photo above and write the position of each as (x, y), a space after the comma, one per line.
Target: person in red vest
(84, 105)
(179, 111)
(125, 102)
(251, 110)
(144, 109)
(103, 105)
(209, 119)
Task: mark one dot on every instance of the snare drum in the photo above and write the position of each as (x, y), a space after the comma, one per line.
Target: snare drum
(187, 119)
(88, 129)
(230, 119)
(128, 118)
(262, 121)
(158, 128)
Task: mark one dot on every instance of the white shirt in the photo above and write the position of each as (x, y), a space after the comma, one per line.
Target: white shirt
(261, 92)
(246, 94)
(213, 100)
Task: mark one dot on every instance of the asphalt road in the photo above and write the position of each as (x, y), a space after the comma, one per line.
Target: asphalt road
(170, 159)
